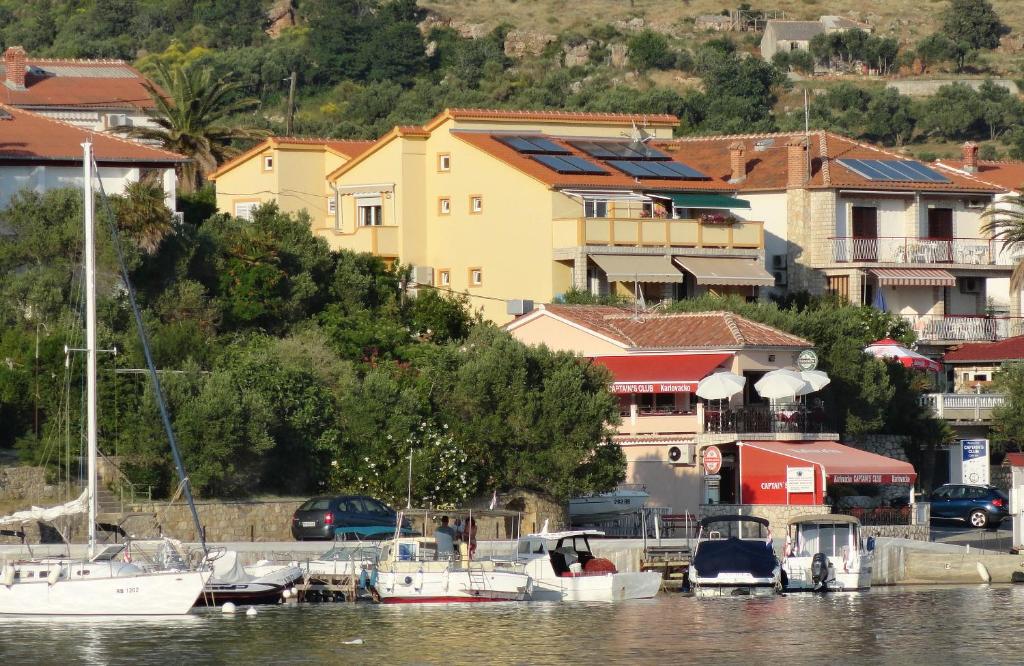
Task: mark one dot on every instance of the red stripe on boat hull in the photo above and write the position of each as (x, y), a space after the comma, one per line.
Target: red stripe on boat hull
(442, 600)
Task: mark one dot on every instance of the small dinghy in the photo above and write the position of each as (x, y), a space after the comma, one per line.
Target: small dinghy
(262, 583)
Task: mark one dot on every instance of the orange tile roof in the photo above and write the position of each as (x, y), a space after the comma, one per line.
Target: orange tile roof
(30, 137)
(489, 143)
(102, 84)
(1007, 174)
(349, 148)
(767, 168)
(683, 330)
(1010, 349)
(556, 116)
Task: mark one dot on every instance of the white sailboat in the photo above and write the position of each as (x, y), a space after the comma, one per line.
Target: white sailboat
(98, 584)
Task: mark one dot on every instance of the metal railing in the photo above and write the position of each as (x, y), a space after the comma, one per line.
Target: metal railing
(128, 493)
(779, 418)
(963, 406)
(965, 328)
(918, 513)
(908, 250)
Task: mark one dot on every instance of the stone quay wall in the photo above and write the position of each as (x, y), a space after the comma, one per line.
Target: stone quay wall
(248, 520)
(26, 483)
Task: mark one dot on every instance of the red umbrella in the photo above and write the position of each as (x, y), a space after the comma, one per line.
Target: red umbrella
(889, 348)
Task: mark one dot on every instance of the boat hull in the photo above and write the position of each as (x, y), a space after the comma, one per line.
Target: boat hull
(160, 593)
(601, 587)
(451, 587)
(798, 576)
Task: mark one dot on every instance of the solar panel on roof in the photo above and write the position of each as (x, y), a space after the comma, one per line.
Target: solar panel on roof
(611, 150)
(533, 145)
(666, 170)
(569, 164)
(893, 170)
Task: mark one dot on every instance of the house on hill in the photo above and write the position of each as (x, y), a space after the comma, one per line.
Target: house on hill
(40, 153)
(781, 35)
(96, 95)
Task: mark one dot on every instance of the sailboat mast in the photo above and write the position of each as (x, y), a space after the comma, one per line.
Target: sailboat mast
(90, 337)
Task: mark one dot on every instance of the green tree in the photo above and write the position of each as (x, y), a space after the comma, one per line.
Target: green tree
(935, 49)
(193, 118)
(971, 25)
(1001, 110)
(1008, 418)
(890, 118)
(954, 112)
(649, 50)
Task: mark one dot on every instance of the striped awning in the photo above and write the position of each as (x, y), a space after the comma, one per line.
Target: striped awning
(913, 277)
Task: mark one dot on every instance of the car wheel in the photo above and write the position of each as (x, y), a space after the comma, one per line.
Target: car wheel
(978, 518)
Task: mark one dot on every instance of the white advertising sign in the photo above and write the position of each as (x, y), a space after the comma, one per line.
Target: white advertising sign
(974, 461)
(800, 479)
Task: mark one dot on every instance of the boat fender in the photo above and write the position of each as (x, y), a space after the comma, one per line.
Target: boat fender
(362, 579)
(228, 608)
(407, 580)
(986, 577)
(251, 612)
(373, 578)
(53, 576)
(287, 593)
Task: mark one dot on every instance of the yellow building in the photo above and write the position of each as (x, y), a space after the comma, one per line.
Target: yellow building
(286, 170)
(524, 205)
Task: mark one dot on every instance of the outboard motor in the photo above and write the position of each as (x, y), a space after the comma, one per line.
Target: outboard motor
(819, 571)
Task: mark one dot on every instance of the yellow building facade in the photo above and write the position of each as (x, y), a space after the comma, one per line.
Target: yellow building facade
(288, 171)
(474, 209)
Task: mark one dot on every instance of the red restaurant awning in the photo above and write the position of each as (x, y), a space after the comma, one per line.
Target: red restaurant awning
(660, 373)
(763, 469)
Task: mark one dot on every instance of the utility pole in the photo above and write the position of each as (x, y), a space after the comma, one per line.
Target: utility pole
(293, 79)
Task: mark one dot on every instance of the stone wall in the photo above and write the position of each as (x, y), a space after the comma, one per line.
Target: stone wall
(249, 520)
(26, 483)
(778, 515)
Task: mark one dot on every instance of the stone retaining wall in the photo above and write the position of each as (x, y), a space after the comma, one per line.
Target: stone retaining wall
(249, 520)
(26, 483)
(778, 515)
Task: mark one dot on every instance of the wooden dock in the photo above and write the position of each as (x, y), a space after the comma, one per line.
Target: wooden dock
(673, 562)
(328, 587)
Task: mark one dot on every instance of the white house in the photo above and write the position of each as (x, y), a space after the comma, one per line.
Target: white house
(40, 154)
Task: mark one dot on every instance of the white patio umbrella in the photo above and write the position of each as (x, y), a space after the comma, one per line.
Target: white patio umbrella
(817, 379)
(779, 384)
(720, 386)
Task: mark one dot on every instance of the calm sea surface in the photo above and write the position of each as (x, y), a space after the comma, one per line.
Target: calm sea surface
(944, 625)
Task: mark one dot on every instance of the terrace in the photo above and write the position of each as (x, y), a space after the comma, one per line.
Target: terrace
(654, 232)
(908, 250)
(964, 328)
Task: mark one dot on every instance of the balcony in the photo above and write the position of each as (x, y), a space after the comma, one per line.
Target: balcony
(378, 240)
(905, 250)
(963, 406)
(964, 328)
(647, 232)
(782, 418)
(650, 423)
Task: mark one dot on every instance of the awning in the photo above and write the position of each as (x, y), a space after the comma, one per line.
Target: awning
(642, 268)
(704, 200)
(764, 467)
(372, 188)
(913, 277)
(721, 271)
(660, 373)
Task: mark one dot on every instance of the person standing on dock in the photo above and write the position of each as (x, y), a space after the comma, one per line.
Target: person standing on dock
(445, 537)
(469, 536)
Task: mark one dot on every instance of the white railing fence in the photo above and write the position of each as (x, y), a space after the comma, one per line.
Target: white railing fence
(963, 406)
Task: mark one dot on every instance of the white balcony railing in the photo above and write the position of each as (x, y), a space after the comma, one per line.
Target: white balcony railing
(963, 406)
(965, 328)
(906, 250)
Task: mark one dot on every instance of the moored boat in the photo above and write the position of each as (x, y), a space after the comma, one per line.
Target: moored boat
(411, 570)
(826, 553)
(261, 583)
(564, 568)
(734, 556)
(624, 499)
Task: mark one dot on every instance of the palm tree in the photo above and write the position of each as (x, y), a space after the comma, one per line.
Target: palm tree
(1006, 225)
(192, 115)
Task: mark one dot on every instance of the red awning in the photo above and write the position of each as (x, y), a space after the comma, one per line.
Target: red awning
(660, 373)
(843, 464)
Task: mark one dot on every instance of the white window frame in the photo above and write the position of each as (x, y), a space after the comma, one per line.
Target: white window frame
(476, 277)
(476, 204)
(268, 162)
(444, 162)
(444, 206)
(244, 209)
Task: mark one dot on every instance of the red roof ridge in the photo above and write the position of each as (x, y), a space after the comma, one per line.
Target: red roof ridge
(79, 61)
(826, 171)
(317, 139)
(733, 328)
(729, 137)
(556, 114)
(134, 144)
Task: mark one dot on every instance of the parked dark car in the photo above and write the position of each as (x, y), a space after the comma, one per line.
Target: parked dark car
(344, 517)
(979, 506)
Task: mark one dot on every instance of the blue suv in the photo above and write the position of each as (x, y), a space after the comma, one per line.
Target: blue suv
(979, 506)
(345, 517)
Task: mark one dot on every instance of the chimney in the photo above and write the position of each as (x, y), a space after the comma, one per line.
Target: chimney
(737, 162)
(796, 163)
(970, 154)
(14, 66)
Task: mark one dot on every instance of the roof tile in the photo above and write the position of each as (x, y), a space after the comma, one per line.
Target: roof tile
(1010, 349)
(104, 84)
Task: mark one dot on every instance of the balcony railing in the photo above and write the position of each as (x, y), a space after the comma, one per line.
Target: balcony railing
(779, 418)
(648, 232)
(906, 250)
(963, 406)
(965, 328)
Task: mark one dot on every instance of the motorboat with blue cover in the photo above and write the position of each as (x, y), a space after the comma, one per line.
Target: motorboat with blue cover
(734, 556)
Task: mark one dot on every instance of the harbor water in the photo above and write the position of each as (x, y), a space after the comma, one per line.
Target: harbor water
(962, 624)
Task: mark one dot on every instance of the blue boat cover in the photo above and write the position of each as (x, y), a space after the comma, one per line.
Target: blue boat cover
(735, 556)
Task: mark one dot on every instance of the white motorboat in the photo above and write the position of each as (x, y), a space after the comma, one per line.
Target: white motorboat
(261, 583)
(345, 559)
(410, 570)
(624, 499)
(825, 553)
(564, 568)
(97, 584)
(734, 556)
